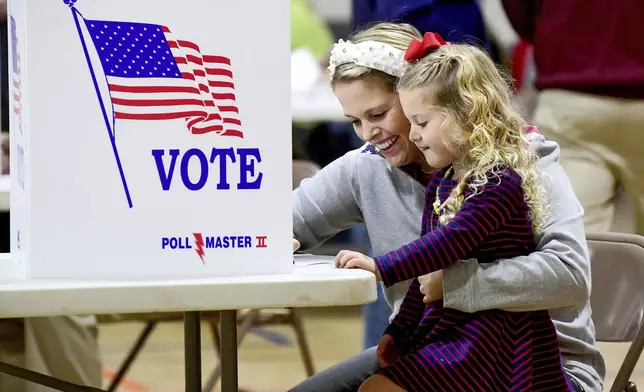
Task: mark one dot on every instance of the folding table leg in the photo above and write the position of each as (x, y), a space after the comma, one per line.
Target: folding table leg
(131, 356)
(192, 343)
(242, 331)
(229, 380)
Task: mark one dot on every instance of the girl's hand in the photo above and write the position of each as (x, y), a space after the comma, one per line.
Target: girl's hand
(296, 244)
(387, 351)
(352, 259)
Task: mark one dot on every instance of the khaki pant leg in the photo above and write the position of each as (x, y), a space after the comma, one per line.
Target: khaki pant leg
(63, 347)
(12, 351)
(9, 383)
(571, 119)
(628, 145)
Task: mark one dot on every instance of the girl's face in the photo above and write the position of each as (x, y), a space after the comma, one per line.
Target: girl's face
(377, 118)
(428, 131)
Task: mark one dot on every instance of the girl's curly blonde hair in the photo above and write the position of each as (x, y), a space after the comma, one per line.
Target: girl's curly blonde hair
(485, 131)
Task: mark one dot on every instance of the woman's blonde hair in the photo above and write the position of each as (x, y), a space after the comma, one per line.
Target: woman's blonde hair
(484, 129)
(398, 35)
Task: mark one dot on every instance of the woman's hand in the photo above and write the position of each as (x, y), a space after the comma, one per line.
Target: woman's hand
(432, 286)
(296, 244)
(353, 259)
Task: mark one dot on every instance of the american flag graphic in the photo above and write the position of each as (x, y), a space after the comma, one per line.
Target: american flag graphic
(153, 75)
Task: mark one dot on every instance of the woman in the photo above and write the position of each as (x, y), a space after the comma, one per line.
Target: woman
(383, 184)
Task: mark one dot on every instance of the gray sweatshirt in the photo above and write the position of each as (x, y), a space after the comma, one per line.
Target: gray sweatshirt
(361, 187)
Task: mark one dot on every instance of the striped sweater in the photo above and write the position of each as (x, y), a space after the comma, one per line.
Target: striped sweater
(492, 350)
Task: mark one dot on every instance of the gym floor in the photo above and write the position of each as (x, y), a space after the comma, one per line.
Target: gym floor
(265, 364)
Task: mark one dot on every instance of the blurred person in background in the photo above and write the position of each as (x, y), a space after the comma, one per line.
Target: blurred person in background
(590, 77)
(454, 20)
(310, 31)
(320, 142)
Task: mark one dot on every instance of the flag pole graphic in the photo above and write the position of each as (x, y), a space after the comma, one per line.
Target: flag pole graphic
(110, 131)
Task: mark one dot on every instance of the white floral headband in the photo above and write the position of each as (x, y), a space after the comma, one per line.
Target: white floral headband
(370, 54)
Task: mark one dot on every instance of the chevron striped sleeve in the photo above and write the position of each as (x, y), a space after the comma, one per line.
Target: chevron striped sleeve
(481, 214)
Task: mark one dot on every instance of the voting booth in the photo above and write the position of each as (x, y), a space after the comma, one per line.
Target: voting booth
(150, 138)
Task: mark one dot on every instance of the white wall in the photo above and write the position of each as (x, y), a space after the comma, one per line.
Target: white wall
(333, 10)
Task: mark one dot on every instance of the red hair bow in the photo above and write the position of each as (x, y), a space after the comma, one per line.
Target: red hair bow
(418, 49)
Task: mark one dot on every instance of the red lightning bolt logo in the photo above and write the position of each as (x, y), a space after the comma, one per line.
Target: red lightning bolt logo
(199, 246)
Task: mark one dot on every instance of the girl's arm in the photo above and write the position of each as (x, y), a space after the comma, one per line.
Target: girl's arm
(555, 276)
(479, 216)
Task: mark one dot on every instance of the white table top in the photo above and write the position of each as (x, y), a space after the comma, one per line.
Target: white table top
(315, 282)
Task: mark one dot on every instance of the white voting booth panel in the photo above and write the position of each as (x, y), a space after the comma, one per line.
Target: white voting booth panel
(150, 138)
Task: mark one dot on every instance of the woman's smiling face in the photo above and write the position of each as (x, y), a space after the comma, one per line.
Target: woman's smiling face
(377, 117)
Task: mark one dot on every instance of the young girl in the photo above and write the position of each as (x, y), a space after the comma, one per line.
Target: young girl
(486, 203)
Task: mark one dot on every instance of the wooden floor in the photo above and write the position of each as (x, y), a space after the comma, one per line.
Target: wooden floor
(264, 365)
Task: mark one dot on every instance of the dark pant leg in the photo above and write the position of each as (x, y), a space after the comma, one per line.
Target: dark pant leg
(375, 316)
(346, 376)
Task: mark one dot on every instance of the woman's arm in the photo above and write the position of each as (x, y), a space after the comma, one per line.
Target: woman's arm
(326, 204)
(480, 215)
(557, 275)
